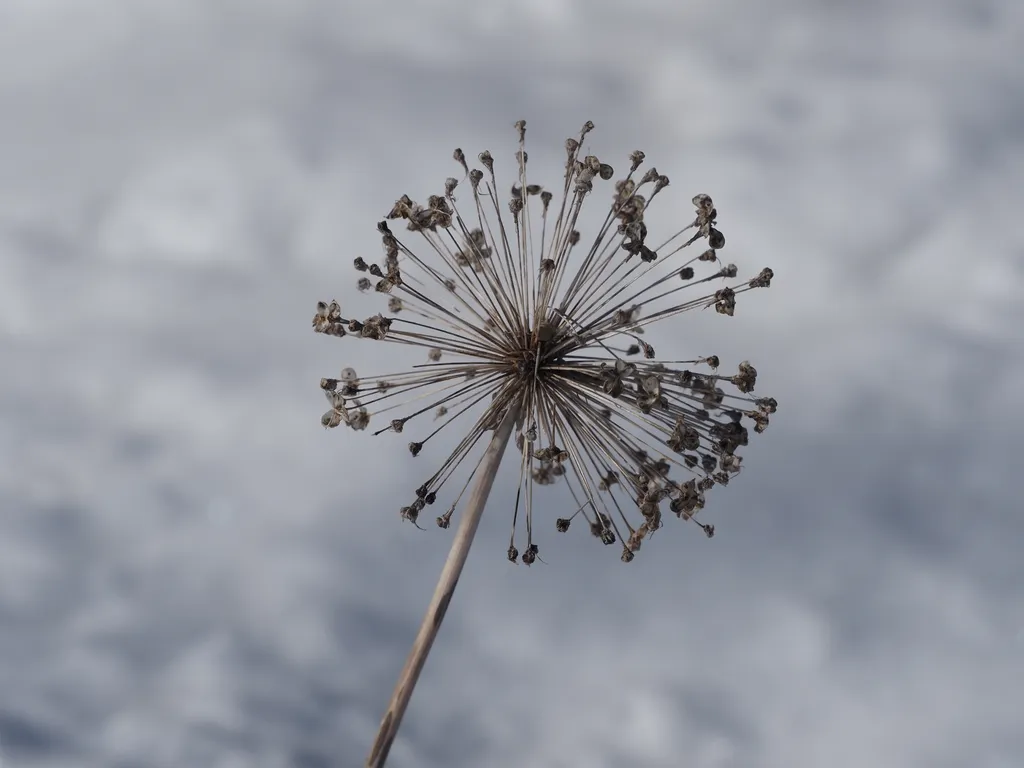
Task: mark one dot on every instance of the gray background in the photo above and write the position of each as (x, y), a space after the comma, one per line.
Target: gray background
(194, 573)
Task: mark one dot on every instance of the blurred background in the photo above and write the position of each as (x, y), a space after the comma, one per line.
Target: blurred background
(194, 573)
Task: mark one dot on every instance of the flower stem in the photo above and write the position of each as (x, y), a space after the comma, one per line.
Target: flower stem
(445, 589)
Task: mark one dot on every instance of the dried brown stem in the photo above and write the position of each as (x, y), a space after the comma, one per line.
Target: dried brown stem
(445, 589)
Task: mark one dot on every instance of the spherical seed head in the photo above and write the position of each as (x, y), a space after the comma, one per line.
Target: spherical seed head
(509, 312)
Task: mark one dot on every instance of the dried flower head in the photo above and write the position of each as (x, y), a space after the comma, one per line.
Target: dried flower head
(515, 309)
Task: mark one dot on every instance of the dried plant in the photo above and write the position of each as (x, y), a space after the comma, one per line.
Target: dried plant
(529, 328)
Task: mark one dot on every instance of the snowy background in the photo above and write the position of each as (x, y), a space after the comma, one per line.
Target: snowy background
(194, 573)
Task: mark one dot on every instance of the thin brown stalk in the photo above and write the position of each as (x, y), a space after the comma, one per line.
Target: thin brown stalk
(442, 597)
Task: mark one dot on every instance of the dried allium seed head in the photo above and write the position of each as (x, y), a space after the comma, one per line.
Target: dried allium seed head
(511, 316)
